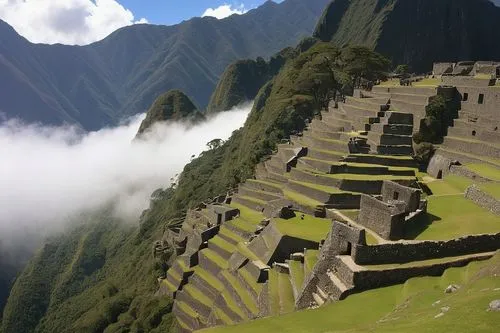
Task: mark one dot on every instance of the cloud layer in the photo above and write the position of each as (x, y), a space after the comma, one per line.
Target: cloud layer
(225, 11)
(66, 21)
(48, 174)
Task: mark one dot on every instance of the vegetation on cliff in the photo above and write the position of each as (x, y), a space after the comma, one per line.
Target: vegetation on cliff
(173, 105)
(415, 32)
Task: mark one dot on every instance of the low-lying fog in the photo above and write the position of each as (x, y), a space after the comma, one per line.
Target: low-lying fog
(50, 173)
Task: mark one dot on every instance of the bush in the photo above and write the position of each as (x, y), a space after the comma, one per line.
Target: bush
(424, 152)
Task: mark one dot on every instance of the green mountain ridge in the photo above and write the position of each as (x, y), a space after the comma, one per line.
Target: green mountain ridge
(415, 32)
(99, 84)
(173, 105)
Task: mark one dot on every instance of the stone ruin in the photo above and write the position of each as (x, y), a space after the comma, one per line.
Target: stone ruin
(391, 212)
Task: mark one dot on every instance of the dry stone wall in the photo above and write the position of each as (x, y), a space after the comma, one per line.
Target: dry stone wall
(483, 199)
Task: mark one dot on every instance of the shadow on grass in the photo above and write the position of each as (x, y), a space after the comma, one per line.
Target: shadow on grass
(417, 227)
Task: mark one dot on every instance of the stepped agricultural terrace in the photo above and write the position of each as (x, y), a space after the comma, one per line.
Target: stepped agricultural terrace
(343, 208)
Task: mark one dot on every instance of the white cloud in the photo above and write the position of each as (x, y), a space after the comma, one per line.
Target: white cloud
(224, 11)
(49, 174)
(66, 21)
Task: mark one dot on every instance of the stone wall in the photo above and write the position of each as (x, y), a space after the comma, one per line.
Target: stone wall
(394, 191)
(441, 68)
(439, 166)
(392, 253)
(470, 99)
(466, 81)
(381, 217)
(483, 199)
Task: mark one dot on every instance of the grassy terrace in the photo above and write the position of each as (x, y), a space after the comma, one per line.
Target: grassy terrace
(492, 189)
(494, 161)
(297, 268)
(208, 278)
(258, 181)
(222, 243)
(310, 259)
(250, 280)
(324, 188)
(495, 145)
(242, 292)
(453, 216)
(198, 295)
(248, 214)
(426, 82)
(287, 301)
(302, 199)
(452, 184)
(485, 170)
(416, 263)
(214, 257)
(229, 234)
(411, 307)
(310, 228)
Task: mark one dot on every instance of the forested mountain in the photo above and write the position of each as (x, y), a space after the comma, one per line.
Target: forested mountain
(98, 84)
(416, 32)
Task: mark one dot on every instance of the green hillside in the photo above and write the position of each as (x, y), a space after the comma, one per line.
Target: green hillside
(172, 105)
(99, 84)
(415, 32)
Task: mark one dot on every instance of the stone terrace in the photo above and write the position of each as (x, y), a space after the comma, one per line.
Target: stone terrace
(271, 248)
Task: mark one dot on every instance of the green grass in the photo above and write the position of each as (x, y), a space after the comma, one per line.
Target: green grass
(187, 309)
(451, 184)
(349, 176)
(310, 228)
(274, 293)
(223, 316)
(169, 285)
(453, 216)
(244, 295)
(242, 225)
(405, 308)
(269, 183)
(198, 295)
(389, 157)
(324, 188)
(248, 214)
(485, 170)
(208, 278)
(310, 260)
(231, 303)
(244, 250)
(297, 268)
(250, 280)
(301, 199)
(492, 189)
(287, 301)
(370, 239)
(416, 263)
(222, 243)
(214, 257)
(230, 234)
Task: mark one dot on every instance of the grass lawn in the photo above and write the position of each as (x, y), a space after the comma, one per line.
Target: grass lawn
(428, 82)
(492, 189)
(301, 199)
(297, 268)
(453, 216)
(411, 307)
(485, 170)
(310, 228)
(248, 214)
(451, 184)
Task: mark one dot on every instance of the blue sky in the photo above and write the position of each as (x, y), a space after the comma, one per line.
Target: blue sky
(172, 11)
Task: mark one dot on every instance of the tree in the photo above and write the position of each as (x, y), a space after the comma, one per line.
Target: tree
(215, 143)
(360, 62)
(402, 69)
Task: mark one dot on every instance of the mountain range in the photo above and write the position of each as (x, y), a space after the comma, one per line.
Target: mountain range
(99, 84)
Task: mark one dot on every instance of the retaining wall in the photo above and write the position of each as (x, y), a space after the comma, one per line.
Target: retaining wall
(407, 252)
(483, 199)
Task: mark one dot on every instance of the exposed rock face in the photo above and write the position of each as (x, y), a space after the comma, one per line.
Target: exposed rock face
(173, 105)
(416, 32)
(494, 305)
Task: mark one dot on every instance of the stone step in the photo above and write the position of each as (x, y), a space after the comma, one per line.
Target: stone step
(211, 261)
(262, 185)
(333, 199)
(243, 298)
(230, 236)
(408, 107)
(472, 147)
(222, 247)
(390, 139)
(425, 91)
(206, 283)
(186, 314)
(247, 191)
(296, 276)
(325, 144)
(344, 167)
(396, 161)
(475, 133)
(340, 288)
(353, 111)
(398, 129)
(411, 98)
(229, 307)
(400, 150)
(373, 104)
(196, 300)
(397, 118)
(320, 125)
(250, 202)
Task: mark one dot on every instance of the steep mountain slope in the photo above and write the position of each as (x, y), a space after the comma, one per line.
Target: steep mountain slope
(172, 105)
(98, 84)
(416, 32)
